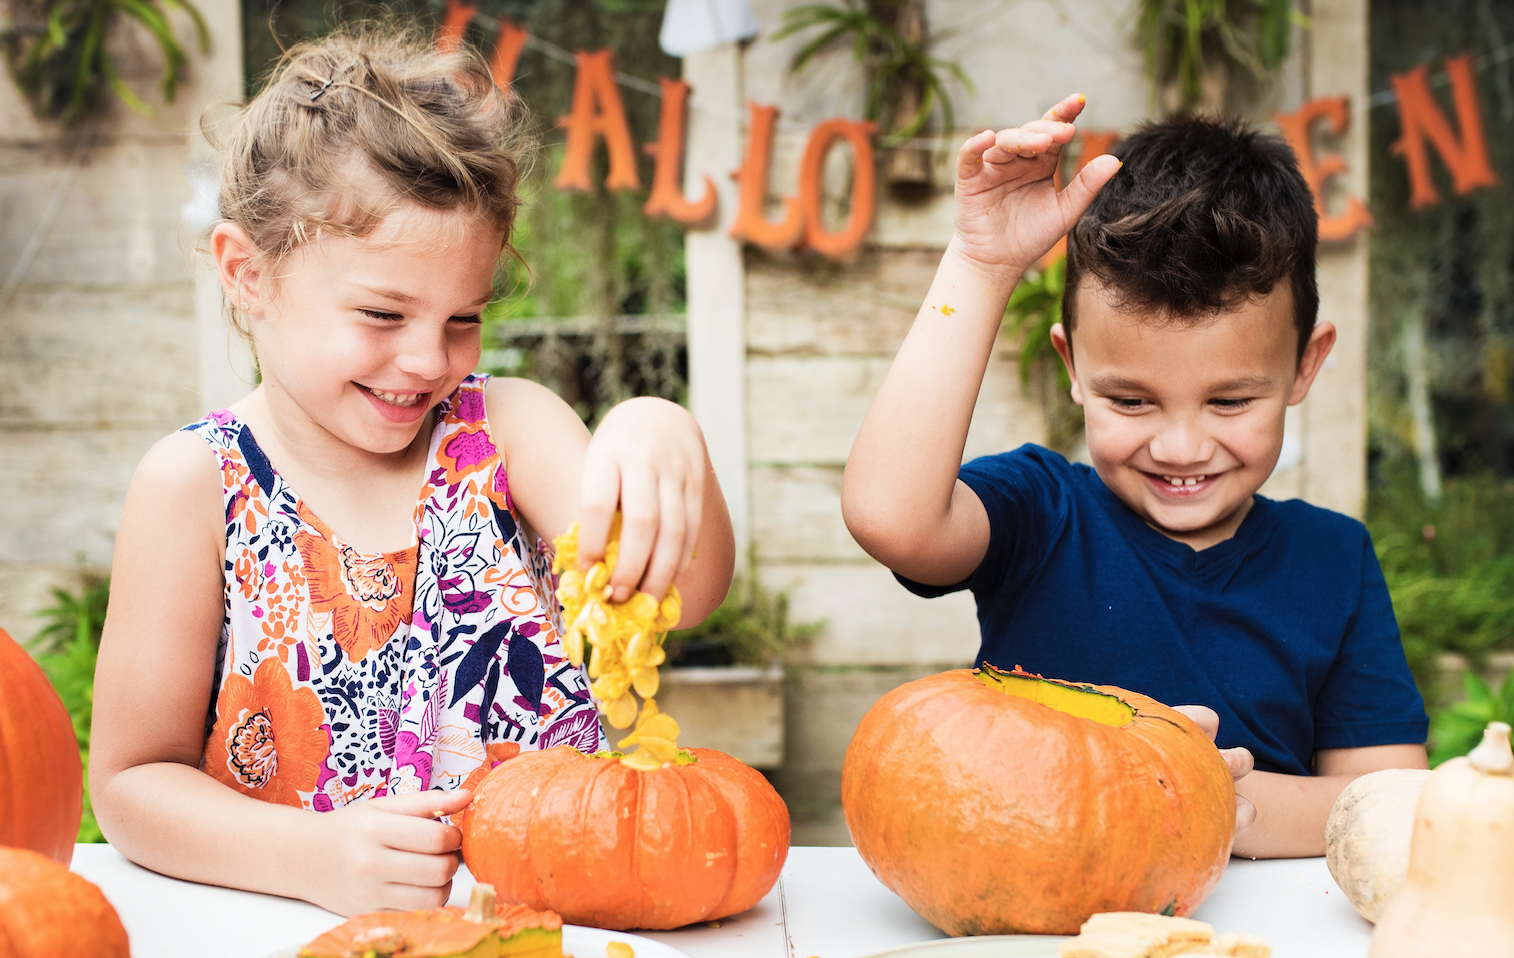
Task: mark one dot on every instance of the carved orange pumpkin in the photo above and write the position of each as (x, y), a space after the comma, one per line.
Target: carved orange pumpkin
(41, 778)
(1003, 803)
(46, 911)
(607, 845)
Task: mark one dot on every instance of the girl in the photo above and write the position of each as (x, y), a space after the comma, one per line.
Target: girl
(292, 629)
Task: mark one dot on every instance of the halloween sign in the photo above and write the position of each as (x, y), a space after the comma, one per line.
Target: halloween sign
(797, 220)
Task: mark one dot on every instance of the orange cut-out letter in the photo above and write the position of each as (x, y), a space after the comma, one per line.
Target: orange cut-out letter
(750, 224)
(1094, 143)
(512, 39)
(667, 193)
(1297, 129)
(1420, 119)
(859, 219)
(597, 112)
(454, 22)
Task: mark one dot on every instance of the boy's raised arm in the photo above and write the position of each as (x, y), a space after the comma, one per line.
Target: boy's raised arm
(900, 495)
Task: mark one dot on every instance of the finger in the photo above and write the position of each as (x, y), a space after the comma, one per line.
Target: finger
(1202, 716)
(1067, 110)
(424, 871)
(433, 803)
(672, 520)
(1074, 199)
(638, 530)
(1016, 141)
(1061, 133)
(1245, 813)
(1240, 761)
(970, 156)
(402, 897)
(420, 836)
(598, 497)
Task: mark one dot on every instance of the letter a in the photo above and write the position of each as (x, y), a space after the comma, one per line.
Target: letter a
(597, 111)
(1421, 119)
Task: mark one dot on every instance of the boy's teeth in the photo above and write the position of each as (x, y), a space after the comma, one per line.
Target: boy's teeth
(1185, 481)
(398, 399)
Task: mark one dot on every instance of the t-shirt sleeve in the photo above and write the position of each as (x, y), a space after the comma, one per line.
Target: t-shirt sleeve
(1369, 696)
(1024, 492)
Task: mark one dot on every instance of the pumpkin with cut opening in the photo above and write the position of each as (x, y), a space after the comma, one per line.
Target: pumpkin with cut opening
(1000, 802)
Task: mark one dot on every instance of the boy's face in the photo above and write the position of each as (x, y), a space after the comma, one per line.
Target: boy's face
(1185, 421)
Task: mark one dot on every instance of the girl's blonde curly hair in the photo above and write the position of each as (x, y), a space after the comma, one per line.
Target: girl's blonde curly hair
(352, 125)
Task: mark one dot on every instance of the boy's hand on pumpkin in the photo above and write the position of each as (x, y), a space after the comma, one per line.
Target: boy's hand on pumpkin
(1008, 212)
(1239, 760)
(389, 852)
(648, 460)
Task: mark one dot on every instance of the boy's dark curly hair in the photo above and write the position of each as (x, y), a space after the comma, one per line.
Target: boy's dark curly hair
(1205, 214)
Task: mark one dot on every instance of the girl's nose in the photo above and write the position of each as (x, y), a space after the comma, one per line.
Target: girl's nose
(424, 352)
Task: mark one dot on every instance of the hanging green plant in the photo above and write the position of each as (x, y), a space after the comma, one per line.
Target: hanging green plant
(59, 56)
(1178, 37)
(893, 63)
(1034, 308)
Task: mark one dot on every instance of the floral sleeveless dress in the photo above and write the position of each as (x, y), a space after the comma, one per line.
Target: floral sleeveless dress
(343, 675)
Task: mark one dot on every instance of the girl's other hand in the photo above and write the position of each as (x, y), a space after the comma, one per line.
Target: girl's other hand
(648, 459)
(1008, 212)
(388, 853)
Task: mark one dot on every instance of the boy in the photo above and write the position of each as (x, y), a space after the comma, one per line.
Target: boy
(1189, 328)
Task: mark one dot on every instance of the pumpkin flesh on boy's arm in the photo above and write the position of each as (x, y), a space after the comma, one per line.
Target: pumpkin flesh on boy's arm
(1291, 810)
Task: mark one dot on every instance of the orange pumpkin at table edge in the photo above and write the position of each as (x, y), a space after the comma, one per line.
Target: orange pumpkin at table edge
(46, 911)
(41, 776)
(610, 846)
(1000, 802)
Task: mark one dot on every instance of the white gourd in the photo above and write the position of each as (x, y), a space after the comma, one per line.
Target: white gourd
(1367, 836)
(1458, 898)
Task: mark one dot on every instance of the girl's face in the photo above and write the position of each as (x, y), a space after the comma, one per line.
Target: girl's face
(363, 337)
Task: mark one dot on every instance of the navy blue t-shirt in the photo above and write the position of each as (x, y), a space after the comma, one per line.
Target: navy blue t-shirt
(1285, 629)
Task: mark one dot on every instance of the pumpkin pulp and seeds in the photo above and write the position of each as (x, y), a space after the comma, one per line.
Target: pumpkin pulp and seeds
(1083, 701)
(486, 929)
(625, 648)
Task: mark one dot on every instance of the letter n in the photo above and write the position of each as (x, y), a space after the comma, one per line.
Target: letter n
(1421, 120)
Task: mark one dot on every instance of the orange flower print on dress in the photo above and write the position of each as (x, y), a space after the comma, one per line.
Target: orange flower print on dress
(369, 596)
(268, 741)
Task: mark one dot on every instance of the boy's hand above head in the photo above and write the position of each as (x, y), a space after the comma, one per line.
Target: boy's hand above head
(1239, 759)
(1008, 211)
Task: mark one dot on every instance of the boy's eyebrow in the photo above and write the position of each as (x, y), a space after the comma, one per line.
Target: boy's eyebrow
(1115, 384)
(1242, 384)
(399, 296)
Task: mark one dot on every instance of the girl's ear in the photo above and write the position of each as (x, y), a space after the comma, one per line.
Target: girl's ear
(1063, 346)
(237, 266)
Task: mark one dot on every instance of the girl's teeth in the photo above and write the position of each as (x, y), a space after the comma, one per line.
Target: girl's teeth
(398, 399)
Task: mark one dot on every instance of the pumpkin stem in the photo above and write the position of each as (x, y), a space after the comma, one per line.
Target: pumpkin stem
(481, 905)
(1493, 756)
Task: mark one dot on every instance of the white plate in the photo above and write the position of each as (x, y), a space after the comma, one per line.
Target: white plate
(986, 946)
(581, 942)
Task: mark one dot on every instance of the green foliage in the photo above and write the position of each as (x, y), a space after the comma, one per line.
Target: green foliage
(1449, 566)
(1178, 36)
(752, 625)
(1456, 729)
(74, 624)
(1034, 308)
(64, 63)
(889, 58)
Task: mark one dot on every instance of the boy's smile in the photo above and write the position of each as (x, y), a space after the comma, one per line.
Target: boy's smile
(1185, 417)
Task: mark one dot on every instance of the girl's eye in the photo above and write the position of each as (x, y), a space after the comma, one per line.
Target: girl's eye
(474, 319)
(379, 314)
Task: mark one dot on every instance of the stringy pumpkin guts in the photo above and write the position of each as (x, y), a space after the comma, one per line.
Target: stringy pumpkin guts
(625, 640)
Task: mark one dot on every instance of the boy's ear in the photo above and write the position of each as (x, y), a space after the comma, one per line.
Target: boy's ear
(1063, 346)
(1321, 341)
(237, 266)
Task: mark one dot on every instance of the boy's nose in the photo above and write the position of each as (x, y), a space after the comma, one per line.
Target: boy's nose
(1180, 442)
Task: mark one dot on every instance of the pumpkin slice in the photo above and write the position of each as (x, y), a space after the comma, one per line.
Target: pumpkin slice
(485, 930)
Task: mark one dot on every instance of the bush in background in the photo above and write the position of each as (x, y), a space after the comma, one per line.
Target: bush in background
(72, 632)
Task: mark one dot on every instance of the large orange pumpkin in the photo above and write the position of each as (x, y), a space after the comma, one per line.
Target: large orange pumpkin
(607, 845)
(46, 911)
(41, 778)
(1003, 803)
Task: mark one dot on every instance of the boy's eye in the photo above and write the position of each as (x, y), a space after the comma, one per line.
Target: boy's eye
(1128, 403)
(379, 314)
(1232, 403)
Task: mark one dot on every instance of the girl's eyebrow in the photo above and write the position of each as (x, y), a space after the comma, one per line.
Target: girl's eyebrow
(399, 296)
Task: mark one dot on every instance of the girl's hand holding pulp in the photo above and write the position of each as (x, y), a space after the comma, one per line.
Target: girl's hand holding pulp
(648, 460)
(1008, 212)
(387, 853)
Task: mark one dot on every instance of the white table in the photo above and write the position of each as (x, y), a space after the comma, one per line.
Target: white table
(835, 909)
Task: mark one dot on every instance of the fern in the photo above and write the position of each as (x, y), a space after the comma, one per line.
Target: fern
(1457, 728)
(73, 628)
